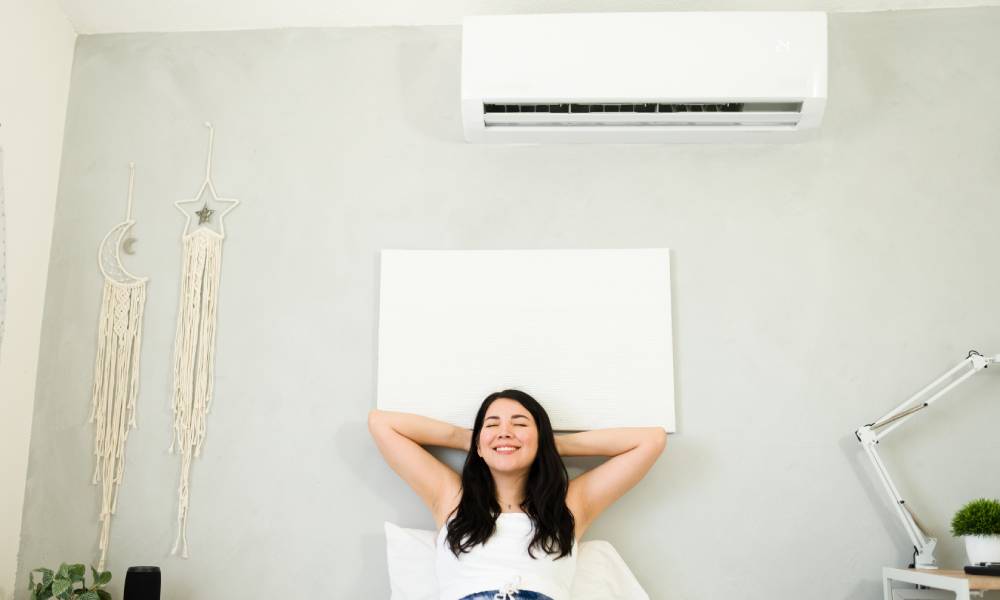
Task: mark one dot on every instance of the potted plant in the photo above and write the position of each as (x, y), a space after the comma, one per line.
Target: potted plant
(979, 523)
(60, 584)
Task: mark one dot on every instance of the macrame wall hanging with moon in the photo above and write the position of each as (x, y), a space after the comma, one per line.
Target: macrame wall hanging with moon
(194, 343)
(116, 368)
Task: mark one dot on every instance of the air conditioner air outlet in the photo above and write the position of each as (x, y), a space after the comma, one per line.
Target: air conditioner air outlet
(643, 107)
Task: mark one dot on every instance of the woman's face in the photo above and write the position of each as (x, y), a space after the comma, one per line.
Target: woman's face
(508, 441)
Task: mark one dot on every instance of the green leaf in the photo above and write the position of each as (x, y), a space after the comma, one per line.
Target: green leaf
(46, 574)
(104, 595)
(104, 578)
(76, 572)
(91, 595)
(36, 591)
(60, 587)
(63, 572)
(93, 573)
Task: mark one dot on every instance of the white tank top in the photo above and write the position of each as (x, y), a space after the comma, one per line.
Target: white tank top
(503, 563)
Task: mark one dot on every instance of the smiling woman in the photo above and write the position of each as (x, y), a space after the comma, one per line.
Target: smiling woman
(510, 523)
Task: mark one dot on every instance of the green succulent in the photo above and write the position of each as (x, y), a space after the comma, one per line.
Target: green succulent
(60, 584)
(979, 517)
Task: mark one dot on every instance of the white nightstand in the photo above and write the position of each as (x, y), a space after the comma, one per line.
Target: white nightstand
(943, 584)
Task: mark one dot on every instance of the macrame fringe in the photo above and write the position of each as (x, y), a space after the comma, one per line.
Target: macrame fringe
(116, 385)
(194, 360)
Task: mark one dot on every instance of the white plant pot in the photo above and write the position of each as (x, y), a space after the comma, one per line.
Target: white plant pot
(982, 548)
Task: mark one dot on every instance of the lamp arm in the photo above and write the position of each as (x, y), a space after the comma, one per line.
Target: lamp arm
(923, 544)
(869, 437)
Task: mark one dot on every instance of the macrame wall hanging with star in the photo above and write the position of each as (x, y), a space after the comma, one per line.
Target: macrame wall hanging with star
(194, 343)
(116, 368)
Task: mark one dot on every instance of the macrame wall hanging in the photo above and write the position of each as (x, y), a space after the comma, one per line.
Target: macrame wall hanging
(194, 344)
(116, 368)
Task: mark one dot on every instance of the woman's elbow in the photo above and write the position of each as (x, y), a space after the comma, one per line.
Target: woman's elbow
(659, 438)
(374, 418)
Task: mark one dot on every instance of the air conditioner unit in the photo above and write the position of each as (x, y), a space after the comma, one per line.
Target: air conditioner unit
(644, 77)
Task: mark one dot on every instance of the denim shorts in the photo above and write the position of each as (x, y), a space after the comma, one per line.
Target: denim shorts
(493, 594)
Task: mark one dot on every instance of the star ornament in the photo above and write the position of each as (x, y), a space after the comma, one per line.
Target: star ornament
(225, 205)
(204, 214)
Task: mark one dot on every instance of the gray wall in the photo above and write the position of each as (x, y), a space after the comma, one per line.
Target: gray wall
(815, 287)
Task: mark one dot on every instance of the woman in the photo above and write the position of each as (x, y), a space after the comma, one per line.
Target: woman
(509, 526)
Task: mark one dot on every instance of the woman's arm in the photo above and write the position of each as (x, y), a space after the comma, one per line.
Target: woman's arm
(608, 442)
(399, 437)
(423, 430)
(633, 452)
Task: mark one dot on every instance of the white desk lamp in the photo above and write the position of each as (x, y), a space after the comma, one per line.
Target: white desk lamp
(869, 436)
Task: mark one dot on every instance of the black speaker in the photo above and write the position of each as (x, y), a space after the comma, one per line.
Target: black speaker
(142, 583)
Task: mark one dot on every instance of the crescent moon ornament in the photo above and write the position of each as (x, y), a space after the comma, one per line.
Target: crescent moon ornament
(110, 260)
(116, 367)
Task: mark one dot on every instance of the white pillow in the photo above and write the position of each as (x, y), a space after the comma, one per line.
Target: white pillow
(601, 574)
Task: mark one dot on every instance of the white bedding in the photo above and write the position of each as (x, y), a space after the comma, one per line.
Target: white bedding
(601, 574)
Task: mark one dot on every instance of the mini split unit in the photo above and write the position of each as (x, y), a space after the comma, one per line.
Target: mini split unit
(644, 77)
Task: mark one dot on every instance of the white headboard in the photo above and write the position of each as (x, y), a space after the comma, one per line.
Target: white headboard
(586, 332)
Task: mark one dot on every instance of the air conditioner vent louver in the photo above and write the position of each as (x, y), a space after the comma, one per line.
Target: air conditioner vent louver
(643, 115)
(649, 107)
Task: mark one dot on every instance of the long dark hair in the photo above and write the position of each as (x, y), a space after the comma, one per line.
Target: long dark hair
(545, 496)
